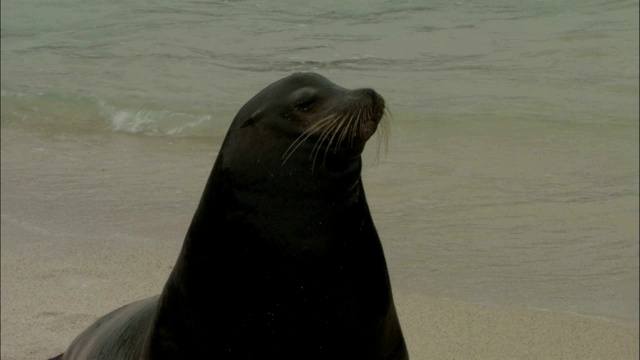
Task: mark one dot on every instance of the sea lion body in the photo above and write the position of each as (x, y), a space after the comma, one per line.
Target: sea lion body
(282, 259)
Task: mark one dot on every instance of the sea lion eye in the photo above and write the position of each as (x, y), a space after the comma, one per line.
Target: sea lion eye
(306, 104)
(304, 99)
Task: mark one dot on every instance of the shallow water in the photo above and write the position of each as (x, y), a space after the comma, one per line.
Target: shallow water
(511, 177)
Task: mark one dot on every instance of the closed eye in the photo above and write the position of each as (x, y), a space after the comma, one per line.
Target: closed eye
(306, 104)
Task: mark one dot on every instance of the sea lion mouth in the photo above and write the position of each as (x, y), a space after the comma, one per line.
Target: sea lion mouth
(344, 128)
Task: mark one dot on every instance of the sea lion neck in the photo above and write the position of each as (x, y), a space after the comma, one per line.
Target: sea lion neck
(277, 182)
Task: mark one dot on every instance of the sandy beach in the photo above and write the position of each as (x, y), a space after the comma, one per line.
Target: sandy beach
(51, 293)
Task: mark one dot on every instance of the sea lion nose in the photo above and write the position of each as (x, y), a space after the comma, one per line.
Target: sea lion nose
(373, 96)
(371, 93)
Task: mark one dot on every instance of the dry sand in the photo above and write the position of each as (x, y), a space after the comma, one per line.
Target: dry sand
(51, 292)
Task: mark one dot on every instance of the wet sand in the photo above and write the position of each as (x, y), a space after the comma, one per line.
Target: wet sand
(74, 248)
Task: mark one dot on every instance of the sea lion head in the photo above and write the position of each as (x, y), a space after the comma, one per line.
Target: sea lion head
(306, 122)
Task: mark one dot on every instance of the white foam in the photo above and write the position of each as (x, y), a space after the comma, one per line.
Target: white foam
(154, 122)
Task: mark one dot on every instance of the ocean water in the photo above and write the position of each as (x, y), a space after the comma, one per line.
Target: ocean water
(511, 177)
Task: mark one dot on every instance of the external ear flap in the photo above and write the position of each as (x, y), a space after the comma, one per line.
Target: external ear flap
(252, 119)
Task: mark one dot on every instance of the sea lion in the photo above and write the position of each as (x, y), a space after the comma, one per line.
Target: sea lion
(282, 259)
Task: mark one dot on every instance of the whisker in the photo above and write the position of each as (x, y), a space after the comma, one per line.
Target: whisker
(354, 129)
(304, 136)
(384, 132)
(338, 126)
(345, 131)
(326, 131)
